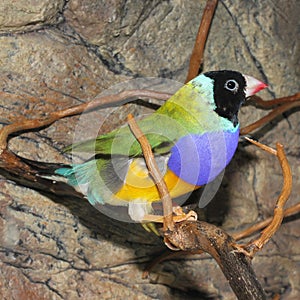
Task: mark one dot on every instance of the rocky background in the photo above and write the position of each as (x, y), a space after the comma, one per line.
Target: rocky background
(57, 53)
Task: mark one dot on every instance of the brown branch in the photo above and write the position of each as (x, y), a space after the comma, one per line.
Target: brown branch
(103, 102)
(237, 236)
(155, 173)
(201, 236)
(269, 117)
(258, 226)
(18, 170)
(253, 246)
(196, 59)
(286, 190)
(262, 146)
(259, 102)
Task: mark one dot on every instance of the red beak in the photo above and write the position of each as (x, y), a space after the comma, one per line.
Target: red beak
(253, 85)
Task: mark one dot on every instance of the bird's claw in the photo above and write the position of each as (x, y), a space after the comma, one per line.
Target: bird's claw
(179, 216)
(150, 227)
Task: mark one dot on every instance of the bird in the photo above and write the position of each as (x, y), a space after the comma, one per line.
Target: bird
(193, 136)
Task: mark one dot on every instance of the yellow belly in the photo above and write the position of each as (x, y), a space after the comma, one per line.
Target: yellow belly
(138, 185)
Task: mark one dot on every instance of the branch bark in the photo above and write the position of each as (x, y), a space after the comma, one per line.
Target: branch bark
(270, 116)
(253, 246)
(100, 102)
(237, 268)
(196, 59)
(155, 173)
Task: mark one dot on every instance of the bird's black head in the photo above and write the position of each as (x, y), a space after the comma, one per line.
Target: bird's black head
(229, 93)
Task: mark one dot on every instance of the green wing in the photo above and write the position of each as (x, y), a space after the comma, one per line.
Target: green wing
(160, 130)
(185, 112)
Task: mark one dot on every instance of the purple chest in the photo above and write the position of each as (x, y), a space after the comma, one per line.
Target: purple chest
(199, 159)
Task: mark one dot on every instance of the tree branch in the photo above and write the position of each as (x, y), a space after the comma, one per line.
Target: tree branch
(253, 246)
(272, 115)
(196, 236)
(155, 173)
(260, 225)
(99, 102)
(259, 102)
(196, 59)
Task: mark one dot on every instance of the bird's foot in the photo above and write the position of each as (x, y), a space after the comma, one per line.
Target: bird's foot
(179, 216)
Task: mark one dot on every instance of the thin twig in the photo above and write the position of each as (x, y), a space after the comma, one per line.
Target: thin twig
(258, 226)
(104, 101)
(269, 117)
(269, 231)
(155, 173)
(253, 246)
(196, 59)
(262, 146)
(259, 102)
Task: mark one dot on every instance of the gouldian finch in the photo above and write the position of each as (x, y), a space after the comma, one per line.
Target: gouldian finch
(193, 135)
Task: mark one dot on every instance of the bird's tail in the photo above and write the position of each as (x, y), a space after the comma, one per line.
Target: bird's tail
(77, 174)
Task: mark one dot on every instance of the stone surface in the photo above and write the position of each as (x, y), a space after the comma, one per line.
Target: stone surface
(132, 36)
(61, 248)
(17, 16)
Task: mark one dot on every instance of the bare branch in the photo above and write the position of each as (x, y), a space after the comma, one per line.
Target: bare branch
(260, 225)
(196, 59)
(201, 236)
(101, 102)
(253, 246)
(259, 102)
(269, 117)
(155, 173)
(272, 225)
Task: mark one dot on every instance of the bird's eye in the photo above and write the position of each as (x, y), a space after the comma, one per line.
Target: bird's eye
(231, 85)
